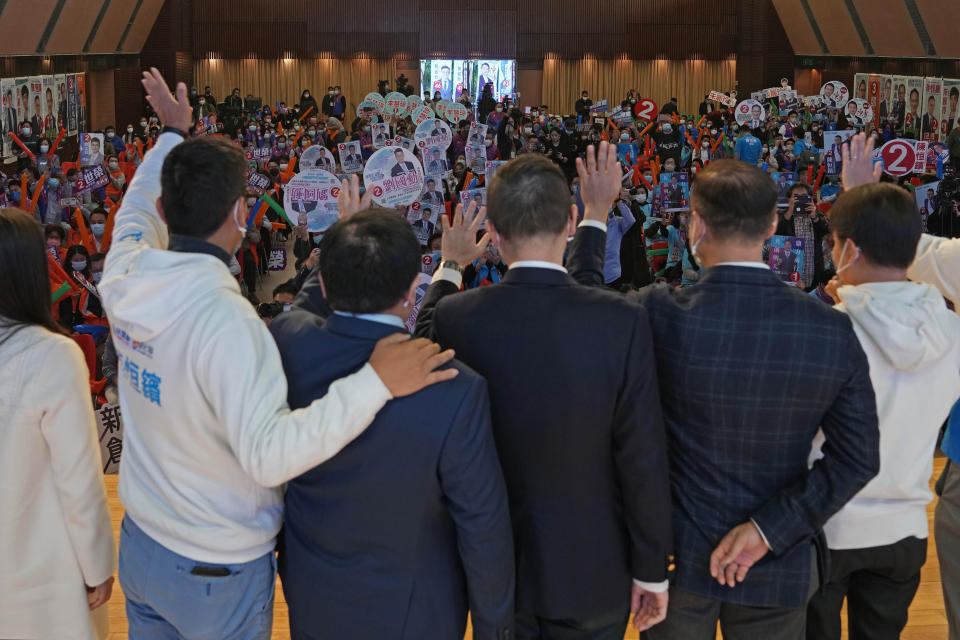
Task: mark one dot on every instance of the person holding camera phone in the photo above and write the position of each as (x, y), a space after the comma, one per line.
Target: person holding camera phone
(802, 220)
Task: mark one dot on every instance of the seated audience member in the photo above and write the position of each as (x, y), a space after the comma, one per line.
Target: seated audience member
(84, 306)
(584, 562)
(421, 509)
(749, 511)
(58, 547)
(878, 541)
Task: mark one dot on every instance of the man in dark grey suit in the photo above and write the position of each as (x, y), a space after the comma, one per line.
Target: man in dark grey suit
(575, 407)
(403, 166)
(749, 369)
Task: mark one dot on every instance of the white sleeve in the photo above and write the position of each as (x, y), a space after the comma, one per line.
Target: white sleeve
(242, 376)
(938, 263)
(70, 431)
(138, 224)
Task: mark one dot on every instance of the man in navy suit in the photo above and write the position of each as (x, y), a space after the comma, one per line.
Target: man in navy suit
(575, 407)
(408, 526)
(749, 369)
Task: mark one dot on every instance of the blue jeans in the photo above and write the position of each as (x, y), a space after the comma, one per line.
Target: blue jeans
(165, 601)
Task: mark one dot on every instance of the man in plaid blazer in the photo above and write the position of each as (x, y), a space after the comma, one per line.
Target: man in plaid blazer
(749, 368)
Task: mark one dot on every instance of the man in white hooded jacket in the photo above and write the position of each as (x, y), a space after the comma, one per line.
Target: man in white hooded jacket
(878, 541)
(209, 438)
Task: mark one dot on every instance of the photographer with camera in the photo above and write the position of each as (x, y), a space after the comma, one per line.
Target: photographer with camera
(802, 220)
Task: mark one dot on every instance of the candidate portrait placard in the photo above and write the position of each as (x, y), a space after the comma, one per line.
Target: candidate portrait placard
(860, 86)
(477, 134)
(394, 176)
(477, 196)
(423, 218)
(317, 158)
(60, 101)
(380, 133)
(786, 258)
(932, 106)
(400, 141)
(674, 191)
(446, 77)
(788, 101)
(926, 197)
(311, 199)
(21, 90)
(433, 133)
(72, 104)
(91, 149)
(833, 142)
(885, 103)
(476, 158)
(859, 113)
(81, 101)
(783, 180)
(874, 91)
(484, 74)
(492, 166)
(434, 161)
(750, 113)
(834, 95)
(351, 158)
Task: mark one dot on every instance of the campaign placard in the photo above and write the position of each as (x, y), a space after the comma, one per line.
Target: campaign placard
(9, 122)
(930, 121)
(421, 114)
(433, 133)
(948, 110)
(441, 108)
(834, 95)
(456, 112)
(600, 106)
(72, 104)
(477, 196)
(926, 197)
(277, 259)
(476, 158)
(110, 435)
(351, 158)
(317, 158)
(91, 178)
(91, 149)
(674, 191)
(380, 133)
(722, 98)
(492, 166)
(783, 180)
(786, 258)
(413, 101)
(378, 100)
(257, 182)
(478, 132)
(369, 110)
(750, 113)
(60, 101)
(423, 217)
(35, 105)
(645, 109)
(394, 177)
(396, 105)
(311, 199)
(434, 161)
(911, 119)
(50, 97)
(859, 112)
(833, 142)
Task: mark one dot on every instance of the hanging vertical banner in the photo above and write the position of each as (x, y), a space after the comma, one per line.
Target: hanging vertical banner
(21, 90)
(81, 102)
(35, 104)
(932, 96)
(60, 100)
(860, 86)
(911, 119)
(72, 104)
(9, 122)
(49, 107)
(948, 109)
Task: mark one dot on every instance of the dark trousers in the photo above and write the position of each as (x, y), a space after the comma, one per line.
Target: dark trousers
(693, 617)
(611, 626)
(879, 584)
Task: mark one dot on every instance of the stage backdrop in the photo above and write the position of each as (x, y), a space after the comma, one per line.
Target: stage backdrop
(686, 80)
(286, 79)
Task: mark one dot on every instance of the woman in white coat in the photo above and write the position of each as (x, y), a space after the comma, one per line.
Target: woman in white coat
(57, 553)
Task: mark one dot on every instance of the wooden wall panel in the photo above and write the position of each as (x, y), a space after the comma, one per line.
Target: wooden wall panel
(468, 34)
(72, 29)
(889, 28)
(797, 26)
(112, 26)
(143, 23)
(837, 28)
(941, 18)
(22, 24)
(102, 99)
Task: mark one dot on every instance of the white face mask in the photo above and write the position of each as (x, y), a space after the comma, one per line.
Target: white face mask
(844, 267)
(695, 244)
(97, 228)
(78, 265)
(44, 148)
(287, 307)
(97, 277)
(129, 129)
(241, 227)
(641, 198)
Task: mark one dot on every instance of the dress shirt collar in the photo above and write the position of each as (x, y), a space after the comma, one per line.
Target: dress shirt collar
(752, 264)
(382, 318)
(189, 244)
(537, 264)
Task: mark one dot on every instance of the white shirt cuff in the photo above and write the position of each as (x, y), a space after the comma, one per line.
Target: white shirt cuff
(594, 223)
(760, 531)
(653, 587)
(450, 275)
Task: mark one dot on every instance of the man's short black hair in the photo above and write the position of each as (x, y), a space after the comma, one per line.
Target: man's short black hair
(285, 287)
(800, 186)
(882, 220)
(369, 261)
(201, 180)
(528, 197)
(735, 199)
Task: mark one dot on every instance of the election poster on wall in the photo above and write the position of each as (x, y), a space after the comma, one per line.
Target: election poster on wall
(394, 177)
(72, 104)
(49, 107)
(860, 86)
(911, 118)
(948, 109)
(874, 89)
(35, 104)
(311, 199)
(81, 101)
(60, 97)
(930, 121)
(449, 79)
(9, 121)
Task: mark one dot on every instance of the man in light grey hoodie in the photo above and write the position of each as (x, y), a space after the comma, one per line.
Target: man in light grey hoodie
(209, 438)
(878, 541)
